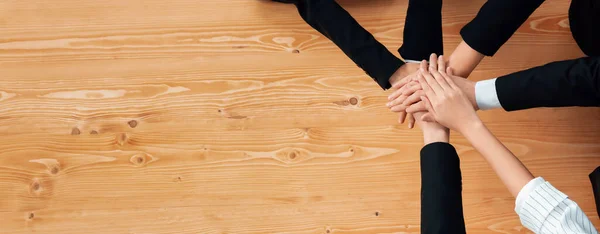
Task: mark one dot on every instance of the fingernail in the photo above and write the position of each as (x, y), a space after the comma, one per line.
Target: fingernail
(387, 104)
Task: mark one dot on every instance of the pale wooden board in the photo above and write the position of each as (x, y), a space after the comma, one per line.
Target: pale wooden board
(236, 117)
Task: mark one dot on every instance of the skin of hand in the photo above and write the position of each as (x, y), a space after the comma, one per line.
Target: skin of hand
(432, 131)
(407, 71)
(444, 100)
(409, 93)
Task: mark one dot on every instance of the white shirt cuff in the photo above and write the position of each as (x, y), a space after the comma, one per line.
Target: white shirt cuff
(411, 61)
(526, 190)
(486, 95)
(536, 200)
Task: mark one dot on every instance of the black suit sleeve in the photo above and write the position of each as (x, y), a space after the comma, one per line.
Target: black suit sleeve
(441, 190)
(566, 83)
(595, 179)
(496, 22)
(331, 20)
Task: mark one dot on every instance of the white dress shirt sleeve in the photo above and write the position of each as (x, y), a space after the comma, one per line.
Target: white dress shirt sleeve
(486, 95)
(544, 209)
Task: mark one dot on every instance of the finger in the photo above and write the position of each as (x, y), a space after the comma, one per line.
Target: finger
(413, 81)
(398, 85)
(398, 109)
(392, 97)
(450, 81)
(399, 97)
(423, 66)
(440, 79)
(410, 91)
(450, 78)
(425, 86)
(417, 107)
(435, 86)
(450, 71)
(413, 98)
(428, 105)
(428, 117)
(433, 62)
(401, 117)
(403, 85)
(411, 121)
(441, 64)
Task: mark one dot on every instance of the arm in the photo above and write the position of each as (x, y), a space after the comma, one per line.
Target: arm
(566, 83)
(495, 23)
(508, 167)
(464, 59)
(441, 182)
(331, 20)
(441, 190)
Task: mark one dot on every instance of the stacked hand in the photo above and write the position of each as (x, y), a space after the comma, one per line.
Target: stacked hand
(406, 72)
(436, 91)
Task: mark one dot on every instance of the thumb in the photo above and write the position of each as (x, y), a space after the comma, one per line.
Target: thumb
(428, 105)
(449, 71)
(427, 117)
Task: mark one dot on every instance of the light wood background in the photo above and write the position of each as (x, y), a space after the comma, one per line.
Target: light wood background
(215, 116)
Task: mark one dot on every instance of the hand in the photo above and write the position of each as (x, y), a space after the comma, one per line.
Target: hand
(432, 131)
(409, 92)
(406, 72)
(445, 101)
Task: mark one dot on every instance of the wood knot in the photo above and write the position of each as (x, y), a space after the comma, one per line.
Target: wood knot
(75, 131)
(30, 216)
(35, 187)
(122, 139)
(376, 213)
(132, 123)
(140, 159)
(54, 170)
(353, 101)
(328, 230)
(296, 51)
(93, 132)
(293, 155)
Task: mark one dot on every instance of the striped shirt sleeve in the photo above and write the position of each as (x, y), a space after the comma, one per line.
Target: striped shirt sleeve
(544, 209)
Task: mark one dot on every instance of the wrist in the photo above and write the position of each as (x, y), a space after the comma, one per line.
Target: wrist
(470, 93)
(399, 74)
(471, 128)
(403, 71)
(436, 135)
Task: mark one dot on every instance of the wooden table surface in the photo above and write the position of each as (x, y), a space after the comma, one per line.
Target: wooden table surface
(234, 116)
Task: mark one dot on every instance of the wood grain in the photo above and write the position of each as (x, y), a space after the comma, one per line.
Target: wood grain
(236, 117)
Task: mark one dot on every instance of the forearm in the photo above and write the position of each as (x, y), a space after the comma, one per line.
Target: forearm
(565, 83)
(464, 60)
(441, 190)
(334, 22)
(507, 166)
